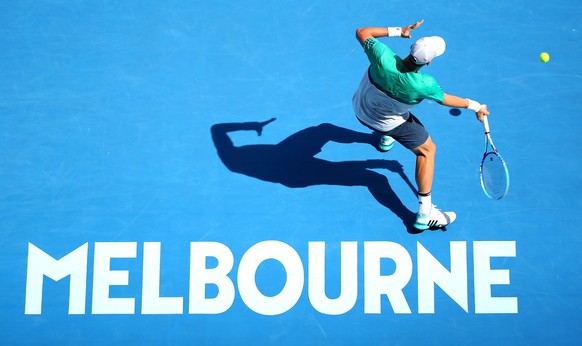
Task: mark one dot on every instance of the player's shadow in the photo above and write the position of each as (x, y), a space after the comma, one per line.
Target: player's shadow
(292, 162)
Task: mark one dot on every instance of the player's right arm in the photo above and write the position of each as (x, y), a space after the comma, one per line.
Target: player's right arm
(362, 34)
(459, 102)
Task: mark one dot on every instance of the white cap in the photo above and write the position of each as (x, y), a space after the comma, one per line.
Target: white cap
(427, 48)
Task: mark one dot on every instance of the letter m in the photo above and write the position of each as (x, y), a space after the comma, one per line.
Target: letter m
(40, 265)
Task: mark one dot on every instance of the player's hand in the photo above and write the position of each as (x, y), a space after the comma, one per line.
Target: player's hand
(482, 112)
(407, 29)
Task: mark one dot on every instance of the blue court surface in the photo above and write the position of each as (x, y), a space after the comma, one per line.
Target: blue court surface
(140, 205)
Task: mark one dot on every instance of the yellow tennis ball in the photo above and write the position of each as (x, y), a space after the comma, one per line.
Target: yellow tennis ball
(544, 57)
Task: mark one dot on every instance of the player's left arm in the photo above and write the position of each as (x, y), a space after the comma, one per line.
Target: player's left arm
(459, 102)
(362, 34)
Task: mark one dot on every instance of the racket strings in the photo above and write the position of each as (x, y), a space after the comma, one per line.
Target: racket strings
(494, 176)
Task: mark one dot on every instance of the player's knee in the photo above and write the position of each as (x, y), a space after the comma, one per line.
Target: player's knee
(431, 146)
(428, 148)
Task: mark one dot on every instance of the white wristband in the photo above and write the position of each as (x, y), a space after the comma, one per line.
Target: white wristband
(394, 31)
(474, 105)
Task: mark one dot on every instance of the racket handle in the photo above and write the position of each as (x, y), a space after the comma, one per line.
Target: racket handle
(486, 124)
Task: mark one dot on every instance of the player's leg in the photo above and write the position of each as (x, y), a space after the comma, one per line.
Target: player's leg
(428, 216)
(414, 136)
(424, 174)
(386, 143)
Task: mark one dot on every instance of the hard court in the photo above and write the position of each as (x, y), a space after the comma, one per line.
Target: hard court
(133, 173)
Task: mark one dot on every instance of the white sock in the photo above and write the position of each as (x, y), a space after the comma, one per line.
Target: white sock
(424, 204)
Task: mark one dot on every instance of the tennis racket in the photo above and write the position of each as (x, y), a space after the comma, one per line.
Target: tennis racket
(493, 171)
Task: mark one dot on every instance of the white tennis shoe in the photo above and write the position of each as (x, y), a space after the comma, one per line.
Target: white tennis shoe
(386, 143)
(435, 219)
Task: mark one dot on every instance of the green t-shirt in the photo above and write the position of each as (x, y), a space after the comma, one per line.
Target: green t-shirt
(393, 78)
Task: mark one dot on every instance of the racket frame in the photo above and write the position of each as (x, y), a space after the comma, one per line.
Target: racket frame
(489, 142)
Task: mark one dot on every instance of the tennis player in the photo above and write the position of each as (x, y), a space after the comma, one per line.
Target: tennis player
(389, 90)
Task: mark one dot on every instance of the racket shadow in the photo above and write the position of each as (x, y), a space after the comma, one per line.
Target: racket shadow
(292, 162)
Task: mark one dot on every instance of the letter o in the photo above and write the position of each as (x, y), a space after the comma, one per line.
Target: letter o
(247, 285)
